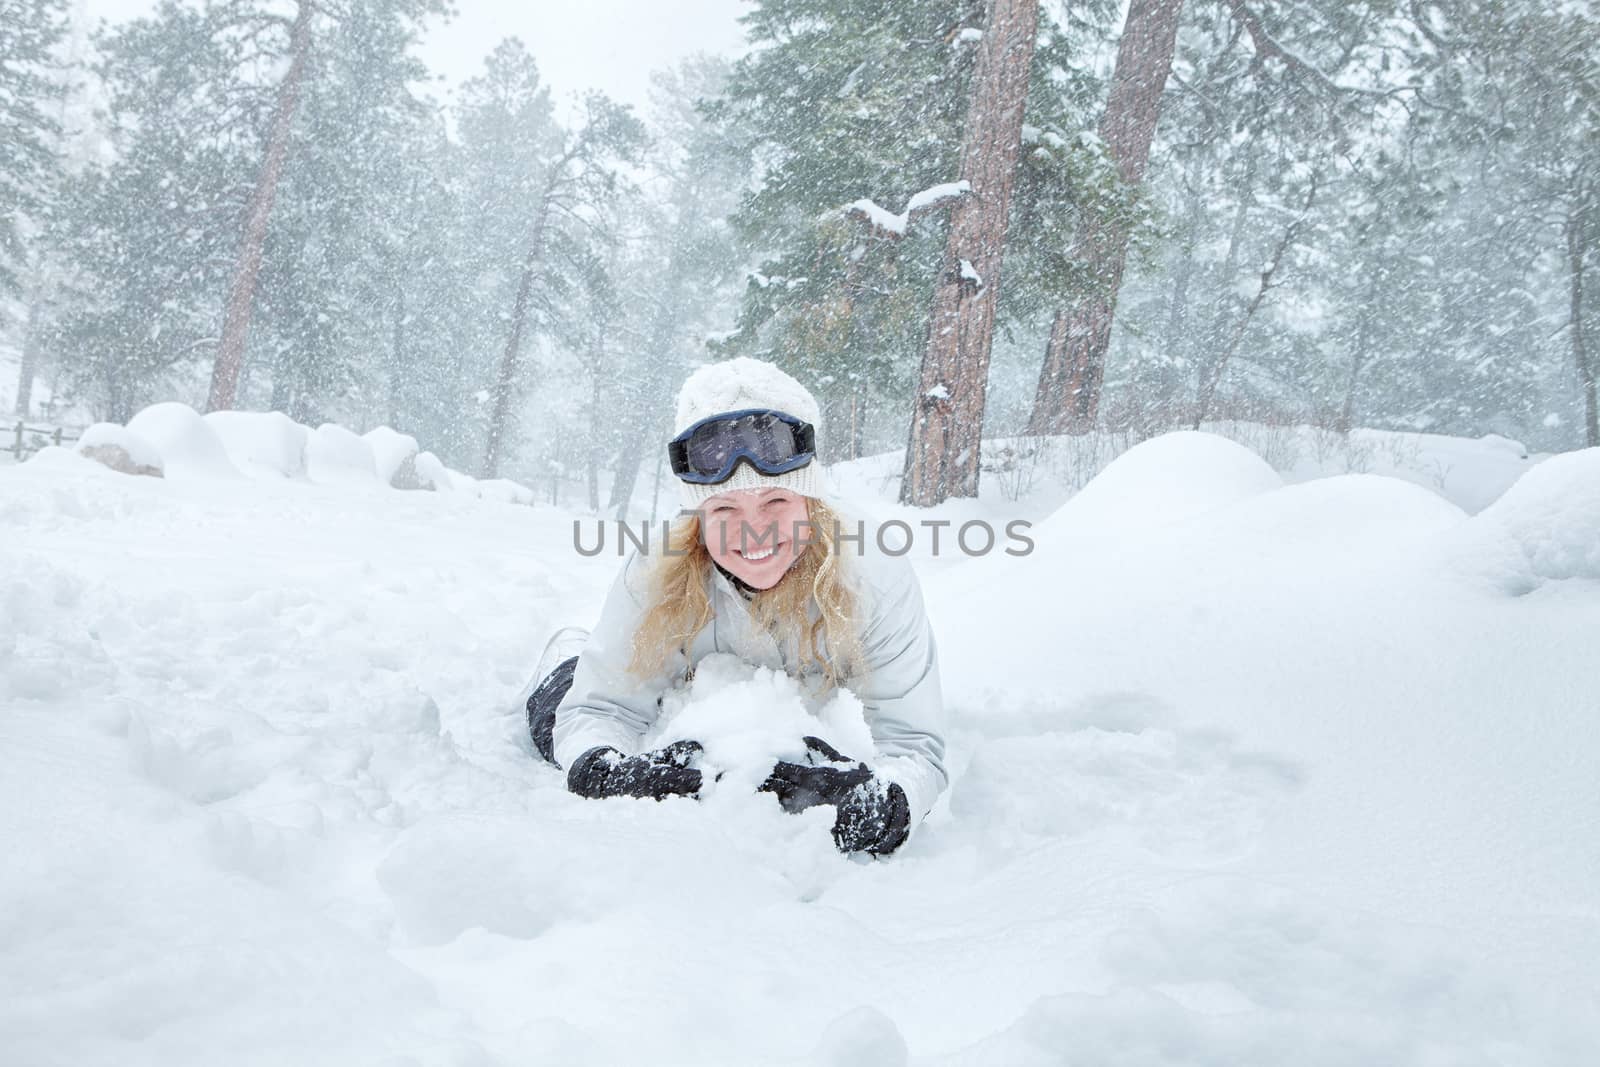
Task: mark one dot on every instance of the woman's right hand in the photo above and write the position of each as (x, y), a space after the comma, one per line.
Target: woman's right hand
(605, 772)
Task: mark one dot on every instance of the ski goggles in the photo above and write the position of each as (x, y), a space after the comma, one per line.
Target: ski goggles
(774, 442)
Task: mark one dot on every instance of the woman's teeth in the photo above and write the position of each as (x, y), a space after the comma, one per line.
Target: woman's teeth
(758, 554)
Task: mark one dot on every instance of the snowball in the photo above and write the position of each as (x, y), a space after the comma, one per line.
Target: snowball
(263, 444)
(749, 718)
(395, 455)
(336, 456)
(188, 445)
(1547, 525)
(120, 449)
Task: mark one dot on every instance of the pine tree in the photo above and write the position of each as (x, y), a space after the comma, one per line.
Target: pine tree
(30, 33)
(943, 453)
(1074, 365)
(572, 185)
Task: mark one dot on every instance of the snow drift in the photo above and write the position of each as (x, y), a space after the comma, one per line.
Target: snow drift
(1266, 777)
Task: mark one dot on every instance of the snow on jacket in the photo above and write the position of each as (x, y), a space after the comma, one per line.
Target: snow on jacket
(899, 689)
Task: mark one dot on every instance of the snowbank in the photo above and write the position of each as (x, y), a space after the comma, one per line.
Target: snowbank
(188, 445)
(263, 444)
(171, 439)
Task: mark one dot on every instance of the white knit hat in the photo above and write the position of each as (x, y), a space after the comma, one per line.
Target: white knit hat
(735, 385)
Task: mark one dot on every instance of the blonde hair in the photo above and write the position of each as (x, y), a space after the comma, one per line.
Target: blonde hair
(679, 605)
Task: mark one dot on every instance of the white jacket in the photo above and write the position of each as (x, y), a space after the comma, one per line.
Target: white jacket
(899, 689)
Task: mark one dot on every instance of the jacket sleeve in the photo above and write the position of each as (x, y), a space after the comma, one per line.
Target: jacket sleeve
(899, 692)
(606, 705)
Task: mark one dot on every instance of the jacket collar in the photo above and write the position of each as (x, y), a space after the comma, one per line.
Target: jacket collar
(733, 582)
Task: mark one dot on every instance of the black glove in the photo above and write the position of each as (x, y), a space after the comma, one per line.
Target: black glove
(824, 778)
(605, 772)
(873, 815)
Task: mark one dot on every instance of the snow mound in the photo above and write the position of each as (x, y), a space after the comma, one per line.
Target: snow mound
(395, 454)
(1164, 480)
(262, 444)
(336, 456)
(1546, 526)
(502, 490)
(1362, 517)
(748, 718)
(120, 449)
(189, 446)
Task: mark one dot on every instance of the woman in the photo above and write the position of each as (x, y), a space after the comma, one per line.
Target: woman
(756, 568)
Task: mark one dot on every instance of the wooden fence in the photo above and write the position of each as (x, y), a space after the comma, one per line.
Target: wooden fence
(25, 439)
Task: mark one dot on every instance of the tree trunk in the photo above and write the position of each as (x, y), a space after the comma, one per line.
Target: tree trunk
(1359, 356)
(506, 386)
(942, 452)
(1210, 381)
(397, 357)
(596, 380)
(247, 269)
(30, 356)
(1068, 394)
(1577, 246)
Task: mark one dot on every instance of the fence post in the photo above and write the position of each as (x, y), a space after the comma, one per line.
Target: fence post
(58, 437)
(17, 450)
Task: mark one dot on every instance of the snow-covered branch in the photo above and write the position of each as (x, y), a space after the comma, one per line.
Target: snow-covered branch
(894, 225)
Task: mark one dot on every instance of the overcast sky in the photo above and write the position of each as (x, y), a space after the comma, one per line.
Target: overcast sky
(610, 45)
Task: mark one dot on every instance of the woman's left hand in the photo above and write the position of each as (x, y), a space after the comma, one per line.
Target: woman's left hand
(873, 815)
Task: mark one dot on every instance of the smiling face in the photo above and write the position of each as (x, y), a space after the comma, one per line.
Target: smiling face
(754, 533)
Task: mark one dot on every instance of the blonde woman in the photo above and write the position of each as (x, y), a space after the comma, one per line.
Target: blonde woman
(754, 568)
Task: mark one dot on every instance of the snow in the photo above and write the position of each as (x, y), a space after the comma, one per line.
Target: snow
(970, 273)
(189, 445)
(937, 194)
(879, 217)
(336, 456)
(263, 444)
(1244, 772)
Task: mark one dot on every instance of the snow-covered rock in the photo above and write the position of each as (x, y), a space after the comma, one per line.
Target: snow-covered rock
(336, 456)
(432, 473)
(120, 449)
(188, 444)
(395, 454)
(263, 444)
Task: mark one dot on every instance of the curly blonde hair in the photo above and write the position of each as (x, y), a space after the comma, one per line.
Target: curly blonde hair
(680, 605)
